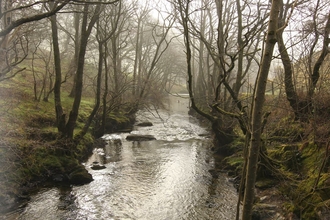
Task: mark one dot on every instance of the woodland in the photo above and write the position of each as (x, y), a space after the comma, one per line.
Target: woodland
(256, 71)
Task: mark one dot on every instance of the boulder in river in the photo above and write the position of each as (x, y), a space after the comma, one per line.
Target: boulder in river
(80, 176)
(140, 137)
(145, 124)
(97, 166)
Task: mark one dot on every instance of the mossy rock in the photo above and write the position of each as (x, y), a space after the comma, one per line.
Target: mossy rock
(58, 164)
(52, 163)
(265, 183)
(85, 147)
(308, 200)
(80, 176)
(115, 122)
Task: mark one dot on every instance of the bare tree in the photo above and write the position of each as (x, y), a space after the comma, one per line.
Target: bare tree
(13, 45)
(142, 16)
(103, 36)
(313, 32)
(67, 128)
(225, 51)
(76, 20)
(257, 110)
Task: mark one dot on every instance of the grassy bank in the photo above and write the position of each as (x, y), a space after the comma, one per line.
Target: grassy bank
(31, 151)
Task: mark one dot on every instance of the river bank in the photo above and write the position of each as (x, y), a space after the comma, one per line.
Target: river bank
(293, 180)
(292, 167)
(34, 156)
(166, 178)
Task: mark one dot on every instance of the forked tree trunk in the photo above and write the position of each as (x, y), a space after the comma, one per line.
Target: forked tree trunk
(98, 94)
(85, 32)
(324, 52)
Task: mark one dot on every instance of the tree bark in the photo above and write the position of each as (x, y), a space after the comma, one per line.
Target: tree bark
(85, 33)
(239, 75)
(98, 94)
(137, 56)
(60, 117)
(258, 104)
(324, 52)
(290, 91)
(74, 64)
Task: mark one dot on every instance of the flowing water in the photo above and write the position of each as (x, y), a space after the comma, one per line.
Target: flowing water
(167, 178)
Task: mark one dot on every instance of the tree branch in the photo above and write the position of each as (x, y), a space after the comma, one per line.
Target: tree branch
(37, 17)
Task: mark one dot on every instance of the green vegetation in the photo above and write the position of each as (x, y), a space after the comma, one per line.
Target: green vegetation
(31, 150)
(296, 163)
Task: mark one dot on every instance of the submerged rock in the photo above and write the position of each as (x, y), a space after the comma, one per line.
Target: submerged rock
(145, 124)
(140, 137)
(97, 166)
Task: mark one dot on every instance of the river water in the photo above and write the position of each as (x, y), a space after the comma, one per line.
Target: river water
(164, 179)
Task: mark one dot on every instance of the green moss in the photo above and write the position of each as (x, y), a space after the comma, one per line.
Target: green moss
(85, 147)
(79, 175)
(120, 118)
(235, 163)
(288, 156)
(312, 158)
(309, 193)
(289, 207)
(265, 183)
(286, 131)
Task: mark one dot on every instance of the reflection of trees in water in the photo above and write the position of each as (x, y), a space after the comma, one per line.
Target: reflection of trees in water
(113, 152)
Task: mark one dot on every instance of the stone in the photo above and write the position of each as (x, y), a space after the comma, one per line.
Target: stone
(97, 166)
(145, 124)
(80, 176)
(140, 137)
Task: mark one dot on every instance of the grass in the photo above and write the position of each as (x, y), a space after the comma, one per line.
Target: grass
(28, 136)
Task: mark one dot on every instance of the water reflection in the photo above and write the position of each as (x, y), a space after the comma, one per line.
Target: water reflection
(167, 178)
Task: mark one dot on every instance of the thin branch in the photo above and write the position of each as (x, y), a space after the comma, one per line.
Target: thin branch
(37, 17)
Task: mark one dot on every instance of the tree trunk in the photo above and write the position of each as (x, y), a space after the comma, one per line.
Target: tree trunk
(98, 94)
(324, 52)
(60, 117)
(76, 49)
(239, 75)
(258, 103)
(137, 59)
(106, 90)
(85, 32)
(290, 91)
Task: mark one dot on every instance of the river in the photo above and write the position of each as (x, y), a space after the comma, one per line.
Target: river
(164, 179)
